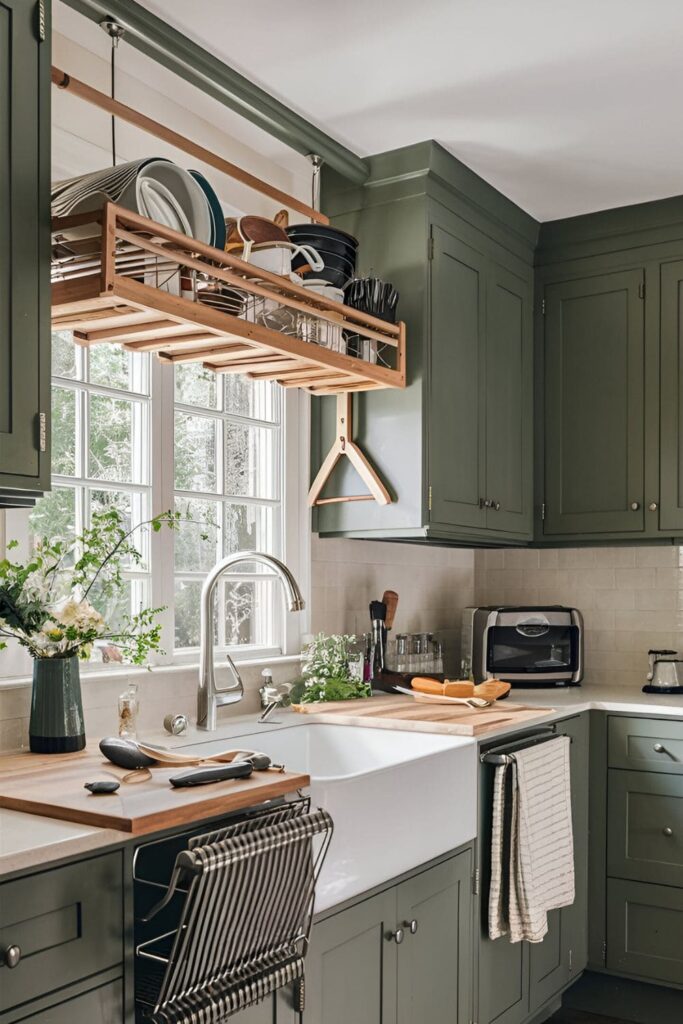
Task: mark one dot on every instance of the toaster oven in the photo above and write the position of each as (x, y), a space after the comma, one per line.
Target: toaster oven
(525, 646)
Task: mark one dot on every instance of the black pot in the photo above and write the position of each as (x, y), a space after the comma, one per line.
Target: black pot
(338, 270)
(322, 236)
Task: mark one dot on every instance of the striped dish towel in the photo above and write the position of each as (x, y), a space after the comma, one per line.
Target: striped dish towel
(532, 850)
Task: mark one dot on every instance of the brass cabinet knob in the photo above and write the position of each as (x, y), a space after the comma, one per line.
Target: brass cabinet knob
(635, 505)
(12, 955)
(653, 506)
(397, 936)
(668, 831)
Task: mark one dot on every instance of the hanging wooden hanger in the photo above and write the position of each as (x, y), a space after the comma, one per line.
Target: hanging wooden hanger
(345, 446)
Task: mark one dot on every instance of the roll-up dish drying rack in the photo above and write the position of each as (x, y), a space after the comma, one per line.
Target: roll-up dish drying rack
(120, 278)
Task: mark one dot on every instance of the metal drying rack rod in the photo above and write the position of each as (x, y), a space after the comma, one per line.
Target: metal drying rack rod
(505, 754)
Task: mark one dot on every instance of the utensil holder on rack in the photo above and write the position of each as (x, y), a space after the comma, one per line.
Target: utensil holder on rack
(246, 901)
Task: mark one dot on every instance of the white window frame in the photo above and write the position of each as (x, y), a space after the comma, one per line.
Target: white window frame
(296, 524)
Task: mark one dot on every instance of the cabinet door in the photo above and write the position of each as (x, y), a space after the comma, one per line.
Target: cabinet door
(24, 246)
(434, 959)
(509, 403)
(351, 965)
(645, 827)
(671, 400)
(457, 443)
(563, 954)
(645, 930)
(503, 967)
(103, 1005)
(594, 405)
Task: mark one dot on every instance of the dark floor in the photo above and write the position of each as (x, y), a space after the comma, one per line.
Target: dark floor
(582, 1017)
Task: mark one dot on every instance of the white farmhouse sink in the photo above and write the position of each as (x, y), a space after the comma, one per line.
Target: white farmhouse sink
(397, 799)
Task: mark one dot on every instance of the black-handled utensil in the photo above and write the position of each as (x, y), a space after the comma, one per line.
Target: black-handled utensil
(204, 776)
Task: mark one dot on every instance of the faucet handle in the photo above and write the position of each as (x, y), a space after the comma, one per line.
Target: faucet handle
(275, 693)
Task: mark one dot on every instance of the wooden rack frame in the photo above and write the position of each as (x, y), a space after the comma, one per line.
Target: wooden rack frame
(99, 300)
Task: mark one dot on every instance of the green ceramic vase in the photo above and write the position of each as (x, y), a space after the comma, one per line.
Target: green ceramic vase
(56, 725)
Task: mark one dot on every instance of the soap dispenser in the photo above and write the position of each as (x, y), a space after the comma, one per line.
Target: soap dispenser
(129, 705)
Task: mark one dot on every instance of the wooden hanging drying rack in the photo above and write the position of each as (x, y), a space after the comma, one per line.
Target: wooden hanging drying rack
(108, 287)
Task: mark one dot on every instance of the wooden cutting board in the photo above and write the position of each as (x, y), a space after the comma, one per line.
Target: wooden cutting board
(398, 712)
(53, 787)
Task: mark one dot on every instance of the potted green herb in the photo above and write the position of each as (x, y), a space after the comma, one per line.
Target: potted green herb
(46, 605)
(326, 672)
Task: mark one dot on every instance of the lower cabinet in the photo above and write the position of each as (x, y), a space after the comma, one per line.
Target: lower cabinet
(57, 929)
(518, 979)
(645, 930)
(644, 907)
(101, 1005)
(400, 957)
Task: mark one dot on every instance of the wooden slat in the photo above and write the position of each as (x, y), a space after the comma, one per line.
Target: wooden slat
(198, 355)
(134, 332)
(117, 109)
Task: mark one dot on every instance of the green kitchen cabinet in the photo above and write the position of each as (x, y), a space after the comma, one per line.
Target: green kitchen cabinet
(402, 956)
(434, 960)
(62, 943)
(351, 965)
(645, 931)
(24, 250)
(671, 398)
(516, 980)
(455, 447)
(594, 343)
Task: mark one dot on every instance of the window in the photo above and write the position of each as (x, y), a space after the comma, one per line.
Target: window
(132, 432)
(227, 471)
(101, 454)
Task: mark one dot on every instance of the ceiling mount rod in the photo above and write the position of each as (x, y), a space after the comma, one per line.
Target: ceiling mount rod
(100, 99)
(155, 38)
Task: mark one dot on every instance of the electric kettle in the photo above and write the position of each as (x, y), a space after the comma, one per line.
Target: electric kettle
(664, 674)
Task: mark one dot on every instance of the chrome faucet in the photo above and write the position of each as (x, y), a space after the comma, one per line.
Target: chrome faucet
(209, 695)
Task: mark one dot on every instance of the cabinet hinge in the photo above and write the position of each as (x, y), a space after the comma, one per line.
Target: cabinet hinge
(641, 290)
(604, 952)
(571, 959)
(41, 28)
(543, 307)
(429, 498)
(430, 248)
(543, 511)
(42, 432)
(475, 881)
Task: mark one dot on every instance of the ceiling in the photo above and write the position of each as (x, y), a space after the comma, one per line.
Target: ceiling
(566, 107)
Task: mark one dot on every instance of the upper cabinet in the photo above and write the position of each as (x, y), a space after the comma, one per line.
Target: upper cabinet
(454, 448)
(610, 376)
(24, 250)
(594, 404)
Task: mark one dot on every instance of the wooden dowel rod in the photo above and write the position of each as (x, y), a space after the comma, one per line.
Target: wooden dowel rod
(100, 99)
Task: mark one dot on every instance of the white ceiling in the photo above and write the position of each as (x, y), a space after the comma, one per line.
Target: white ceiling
(566, 106)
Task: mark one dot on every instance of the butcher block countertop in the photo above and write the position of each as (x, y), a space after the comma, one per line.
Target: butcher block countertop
(53, 786)
(399, 712)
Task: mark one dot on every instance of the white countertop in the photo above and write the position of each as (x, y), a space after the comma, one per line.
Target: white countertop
(28, 840)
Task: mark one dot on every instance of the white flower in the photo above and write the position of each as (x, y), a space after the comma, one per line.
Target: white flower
(79, 614)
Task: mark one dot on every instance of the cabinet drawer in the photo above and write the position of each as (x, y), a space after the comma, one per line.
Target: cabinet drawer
(645, 930)
(103, 1005)
(67, 924)
(645, 827)
(646, 744)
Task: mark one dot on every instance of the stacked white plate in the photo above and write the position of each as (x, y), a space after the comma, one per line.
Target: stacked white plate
(154, 188)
